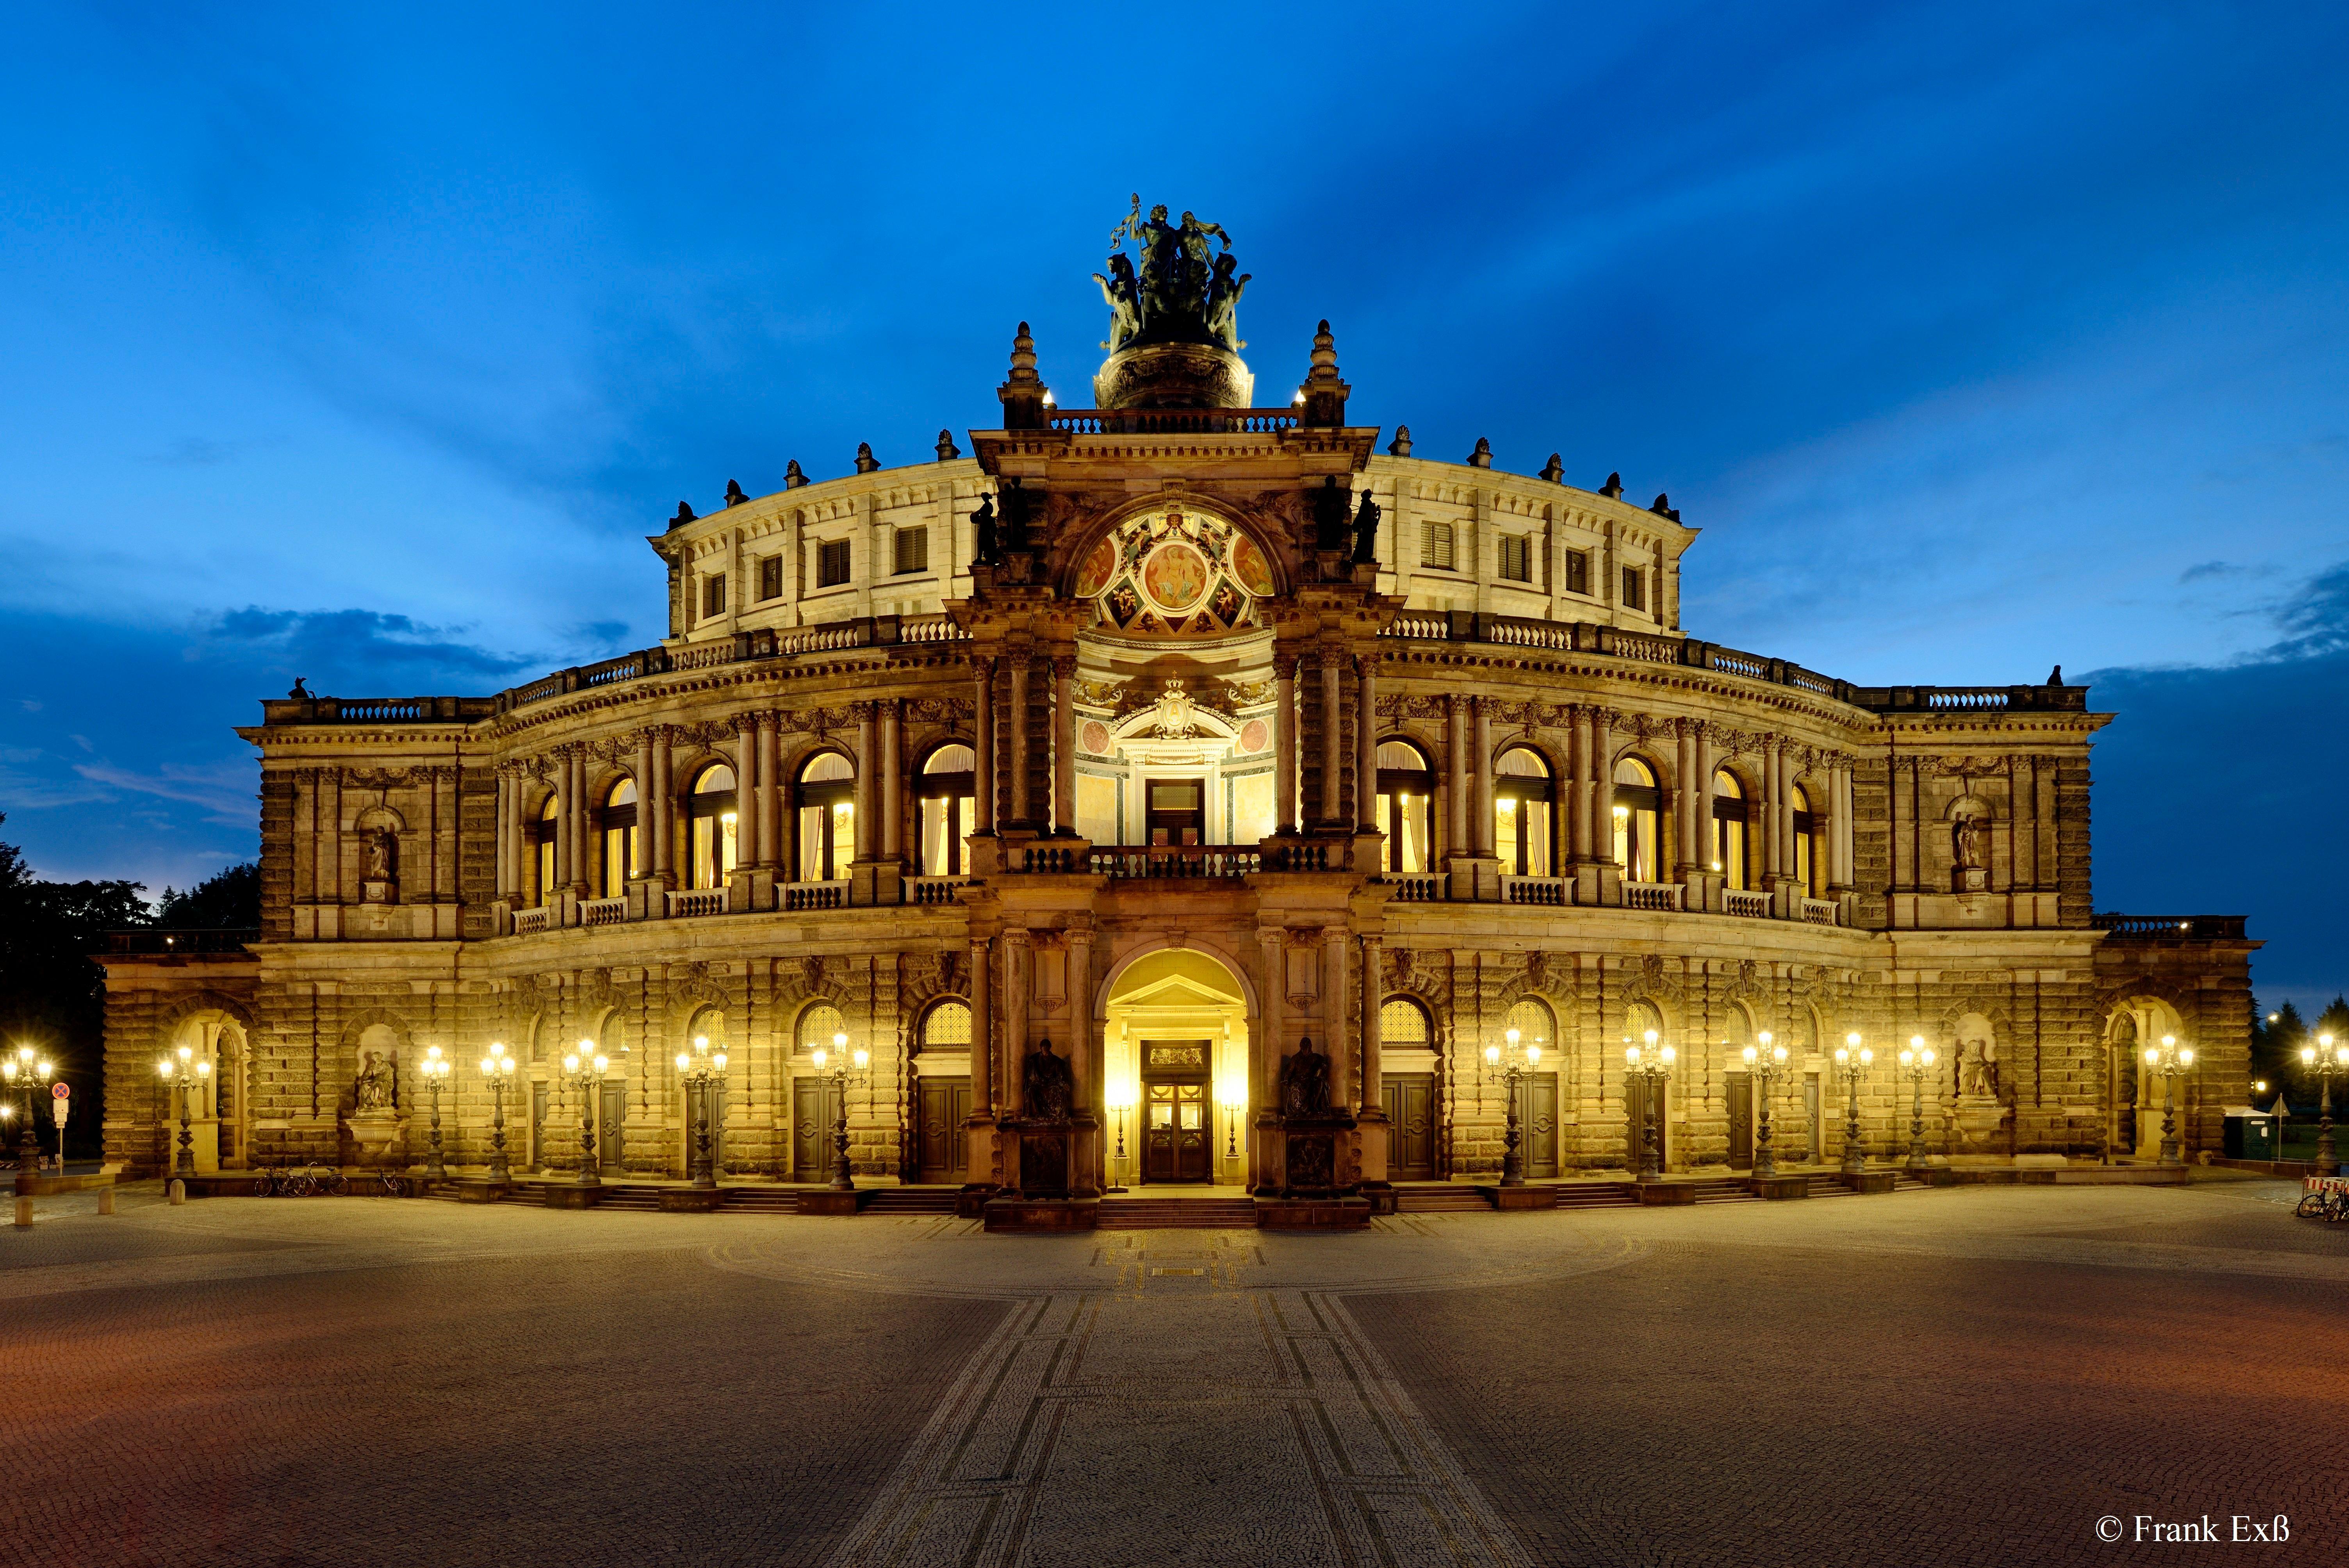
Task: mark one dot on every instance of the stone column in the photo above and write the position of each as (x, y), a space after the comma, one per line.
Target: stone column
(865, 838)
(1340, 1038)
(1372, 1113)
(983, 737)
(566, 811)
(1019, 812)
(1455, 778)
(1284, 741)
(749, 786)
(891, 791)
(663, 806)
(1272, 1042)
(1064, 746)
(1085, 1066)
(1015, 943)
(1332, 739)
(1690, 858)
(505, 840)
(770, 792)
(1366, 761)
(1483, 758)
(1574, 844)
(980, 1126)
(641, 850)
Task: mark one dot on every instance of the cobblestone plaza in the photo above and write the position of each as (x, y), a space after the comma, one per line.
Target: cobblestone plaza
(1971, 1375)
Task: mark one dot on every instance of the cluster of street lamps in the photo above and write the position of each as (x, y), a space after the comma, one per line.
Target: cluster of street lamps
(498, 1067)
(2168, 1059)
(700, 1071)
(1651, 1064)
(585, 1067)
(183, 1078)
(842, 1068)
(1515, 1064)
(2324, 1058)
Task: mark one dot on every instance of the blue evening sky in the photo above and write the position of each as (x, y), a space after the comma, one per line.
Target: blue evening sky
(367, 343)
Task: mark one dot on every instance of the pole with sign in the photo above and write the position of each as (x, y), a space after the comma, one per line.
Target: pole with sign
(60, 1102)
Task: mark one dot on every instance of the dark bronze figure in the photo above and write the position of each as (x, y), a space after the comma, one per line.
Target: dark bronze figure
(1050, 1089)
(1305, 1081)
(1366, 531)
(1330, 515)
(983, 548)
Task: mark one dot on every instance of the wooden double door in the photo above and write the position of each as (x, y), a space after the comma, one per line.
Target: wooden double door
(1178, 1136)
(1538, 1124)
(815, 1107)
(1410, 1101)
(941, 1148)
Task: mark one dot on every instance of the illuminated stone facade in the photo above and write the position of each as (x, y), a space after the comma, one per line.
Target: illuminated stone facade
(1199, 756)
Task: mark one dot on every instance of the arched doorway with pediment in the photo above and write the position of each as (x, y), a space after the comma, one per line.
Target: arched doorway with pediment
(1175, 1049)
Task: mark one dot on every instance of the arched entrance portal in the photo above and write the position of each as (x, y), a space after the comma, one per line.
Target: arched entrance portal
(1176, 1050)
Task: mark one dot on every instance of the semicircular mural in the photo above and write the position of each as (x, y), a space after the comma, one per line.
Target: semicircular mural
(1174, 574)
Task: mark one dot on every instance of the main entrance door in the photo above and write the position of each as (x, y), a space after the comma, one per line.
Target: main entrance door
(1410, 1099)
(1178, 1139)
(815, 1107)
(1538, 1124)
(611, 1113)
(942, 1152)
(1741, 1121)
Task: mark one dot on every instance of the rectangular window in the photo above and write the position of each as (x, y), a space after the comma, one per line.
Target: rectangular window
(771, 577)
(1435, 546)
(1578, 571)
(913, 550)
(713, 595)
(1518, 557)
(1634, 581)
(832, 564)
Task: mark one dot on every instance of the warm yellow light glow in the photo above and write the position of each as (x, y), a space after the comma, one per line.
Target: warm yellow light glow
(1510, 1035)
(1842, 1056)
(1652, 1039)
(185, 1052)
(819, 1055)
(1492, 1053)
(1866, 1055)
(1668, 1054)
(203, 1070)
(2153, 1056)
(1631, 1055)
(571, 1063)
(601, 1062)
(1908, 1058)
(1533, 1055)
(2185, 1058)
(701, 1042)
(861, 1057)
(683, 1061)
(840, 1041)
(2308, 1052)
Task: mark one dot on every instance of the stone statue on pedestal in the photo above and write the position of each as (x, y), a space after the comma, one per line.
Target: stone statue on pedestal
(1049, 1088)
(1305, 1081)
(374, 1088)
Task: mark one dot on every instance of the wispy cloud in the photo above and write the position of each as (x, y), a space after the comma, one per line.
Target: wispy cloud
(343, 643)
(224, 791)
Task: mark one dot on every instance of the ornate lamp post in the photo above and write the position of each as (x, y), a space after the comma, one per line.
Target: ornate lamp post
(1121, 1101)
(585, 1070)
(498, 1067)
(1651, 1064)
(435, 1069)
(1234, 1107)
(1513, 1063)
(2170, 1058)
(24, 1070)
(1852, 1059)
(2324, 1058)
(1765, 1061)
(181, 1075)
(699, 1071)
(841, 1067)
(1916, 1061)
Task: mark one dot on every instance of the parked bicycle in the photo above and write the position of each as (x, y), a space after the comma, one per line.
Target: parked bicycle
(298, 1181)
(2327, 1203)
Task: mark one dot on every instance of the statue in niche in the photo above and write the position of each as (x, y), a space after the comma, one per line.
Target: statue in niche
(983, 547)
(1305, 1081)
(1969, 842)
(1123, 293)
(382, 855)
(1330, 531)
(1049, 1088)
(373, 1089)
(1978, 1068)
(1366, 531)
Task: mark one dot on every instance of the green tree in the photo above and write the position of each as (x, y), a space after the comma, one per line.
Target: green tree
(2276, 1036)
(227, 899)
(52, 990)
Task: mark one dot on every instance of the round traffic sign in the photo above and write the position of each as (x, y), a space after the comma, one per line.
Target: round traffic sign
(60, 1090)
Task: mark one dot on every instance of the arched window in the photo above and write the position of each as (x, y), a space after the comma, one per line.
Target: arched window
(826, 794)
(708, 1023)
(947, 791)
(1637, 806)
(1406, 786)
(1639, 1018)
(945, 1027)
(1805, 863)
(710, 840)
(819, 1022)
(1521, 813)
(1402, 1026)
(1535, 1026)
(550, 824)
(1729, 831)
(619, 831)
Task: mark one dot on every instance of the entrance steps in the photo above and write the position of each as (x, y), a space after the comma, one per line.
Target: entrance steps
(1724, 1190)
(1177, 1214)
(1439, 1198)
(910, 1200)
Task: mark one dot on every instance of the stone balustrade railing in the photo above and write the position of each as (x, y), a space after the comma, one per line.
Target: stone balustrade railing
(181, 943)
(1172, 421)
(2170, 927)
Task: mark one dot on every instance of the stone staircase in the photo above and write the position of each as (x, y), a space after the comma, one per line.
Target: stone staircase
(1177, 1214)
(1439, 1198)
(1597, 1195)
(911, 1200)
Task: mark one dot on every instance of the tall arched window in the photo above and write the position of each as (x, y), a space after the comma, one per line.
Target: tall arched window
(619, 831)
(826, 794)
(1805, 863)
(1406, 786)
(1637, 806)
(945, 1027)
(947, 791)
(708, 1023)
(1729, 831)
(710, 840)
(819, 1022)
(1535, 1026)
(1521, 813)
(1641, 1017)
(1402, 1026)
(550, 825)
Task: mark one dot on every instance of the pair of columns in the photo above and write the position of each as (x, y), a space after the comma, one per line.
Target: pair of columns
(1310, 695)
(1017, 677)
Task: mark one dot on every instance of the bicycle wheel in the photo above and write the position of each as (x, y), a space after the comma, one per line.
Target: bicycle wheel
(2312, 1206)
(299, 1185)
(335, 1184)
(263, 1186)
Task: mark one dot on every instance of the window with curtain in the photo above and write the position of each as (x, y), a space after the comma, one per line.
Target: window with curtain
(616, 829)
(948, 792)
(1406, 791)
(711, 824)
(1730, 831)
(1636, 811)
(1521, 813)
(550, 826)
(826, 799)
